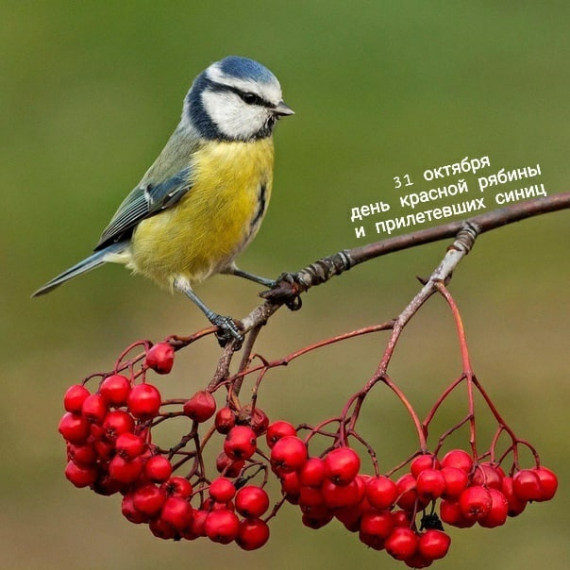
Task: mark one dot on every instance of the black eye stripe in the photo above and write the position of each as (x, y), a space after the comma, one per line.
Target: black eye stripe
(245, 96)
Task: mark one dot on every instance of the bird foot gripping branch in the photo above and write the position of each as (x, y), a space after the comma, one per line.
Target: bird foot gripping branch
(289, 286)
(112, 429)
(286, 291)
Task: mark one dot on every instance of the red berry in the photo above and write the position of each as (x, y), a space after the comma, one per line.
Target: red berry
(84, 455)
(371, 540)
(379, 524)
(94, 408)
(430, 484)
(201, 406)
(548, 483)
(210, 505)
(130, 445)
(402, 543)
(342, 465)
(401, 518)
(116, 423)
(526, 485)
(290, 484)
(498, 512)
(351, 515)
(316, 519)
(115, 389)
(177, 487)
(488, 475)
(459, 459)
(187, 533)
(144, 401)
(337, 496)
(158, 468)
(475, 502)
(197, 527)
(149, 499)
(74, 397)
(225, 420)
(456, 481)
(381, 492)
(310, 497)
(251, 501)
(227, 466)
(433, 544)
(80, 476)
(106, 486)
(421, 462)
(317, 510)
(259, 421)
(222, 490)
(288, 454)
(240, 443)
(252, 534)
(161, 529)
(160, 358)
(277, 430)
(96, 432)
(450, 513)
(177, 512)
(312, 473)
(129, 511)
(105, 449)
(74, 428)
(125, 471)
(222, 526)
(516, 505)
(407, 494)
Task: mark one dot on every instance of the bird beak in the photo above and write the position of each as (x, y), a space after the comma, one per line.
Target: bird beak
(282, 109)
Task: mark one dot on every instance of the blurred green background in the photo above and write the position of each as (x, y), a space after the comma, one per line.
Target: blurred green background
(89, 94)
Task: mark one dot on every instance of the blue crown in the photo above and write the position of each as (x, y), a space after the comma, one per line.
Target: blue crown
(245, 68)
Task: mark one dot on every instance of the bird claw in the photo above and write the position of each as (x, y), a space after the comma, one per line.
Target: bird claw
(227, 331)
(286, 289)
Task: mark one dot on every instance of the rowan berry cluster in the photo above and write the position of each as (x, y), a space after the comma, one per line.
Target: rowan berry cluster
(384, 511)
(110, 449)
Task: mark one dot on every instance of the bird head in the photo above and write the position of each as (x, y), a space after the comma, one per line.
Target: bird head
(235, 99)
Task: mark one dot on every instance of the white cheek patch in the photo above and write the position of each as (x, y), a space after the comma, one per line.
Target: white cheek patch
(233, 117)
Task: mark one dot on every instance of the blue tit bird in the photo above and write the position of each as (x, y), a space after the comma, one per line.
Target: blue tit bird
(204, 198)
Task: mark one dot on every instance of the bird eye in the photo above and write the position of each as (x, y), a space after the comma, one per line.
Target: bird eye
(249, 98)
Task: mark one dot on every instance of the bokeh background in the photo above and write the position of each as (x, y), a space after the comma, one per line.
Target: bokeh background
(89, 93)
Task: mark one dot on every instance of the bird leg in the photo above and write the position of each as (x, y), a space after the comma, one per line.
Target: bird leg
(227, 328)
(233, 270)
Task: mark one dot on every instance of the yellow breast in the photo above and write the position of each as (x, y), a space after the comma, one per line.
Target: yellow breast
(215, 220)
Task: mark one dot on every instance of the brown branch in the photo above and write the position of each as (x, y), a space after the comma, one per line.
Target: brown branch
(324, 269)
(484, 223)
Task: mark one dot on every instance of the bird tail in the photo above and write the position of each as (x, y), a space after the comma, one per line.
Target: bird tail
(91, 262)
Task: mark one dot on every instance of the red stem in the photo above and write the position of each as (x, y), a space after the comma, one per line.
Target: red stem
(466, 362)
(411, 411)
(440, 401)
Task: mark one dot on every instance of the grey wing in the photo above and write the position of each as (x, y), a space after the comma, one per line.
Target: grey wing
(143, 202)
(166, 181)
